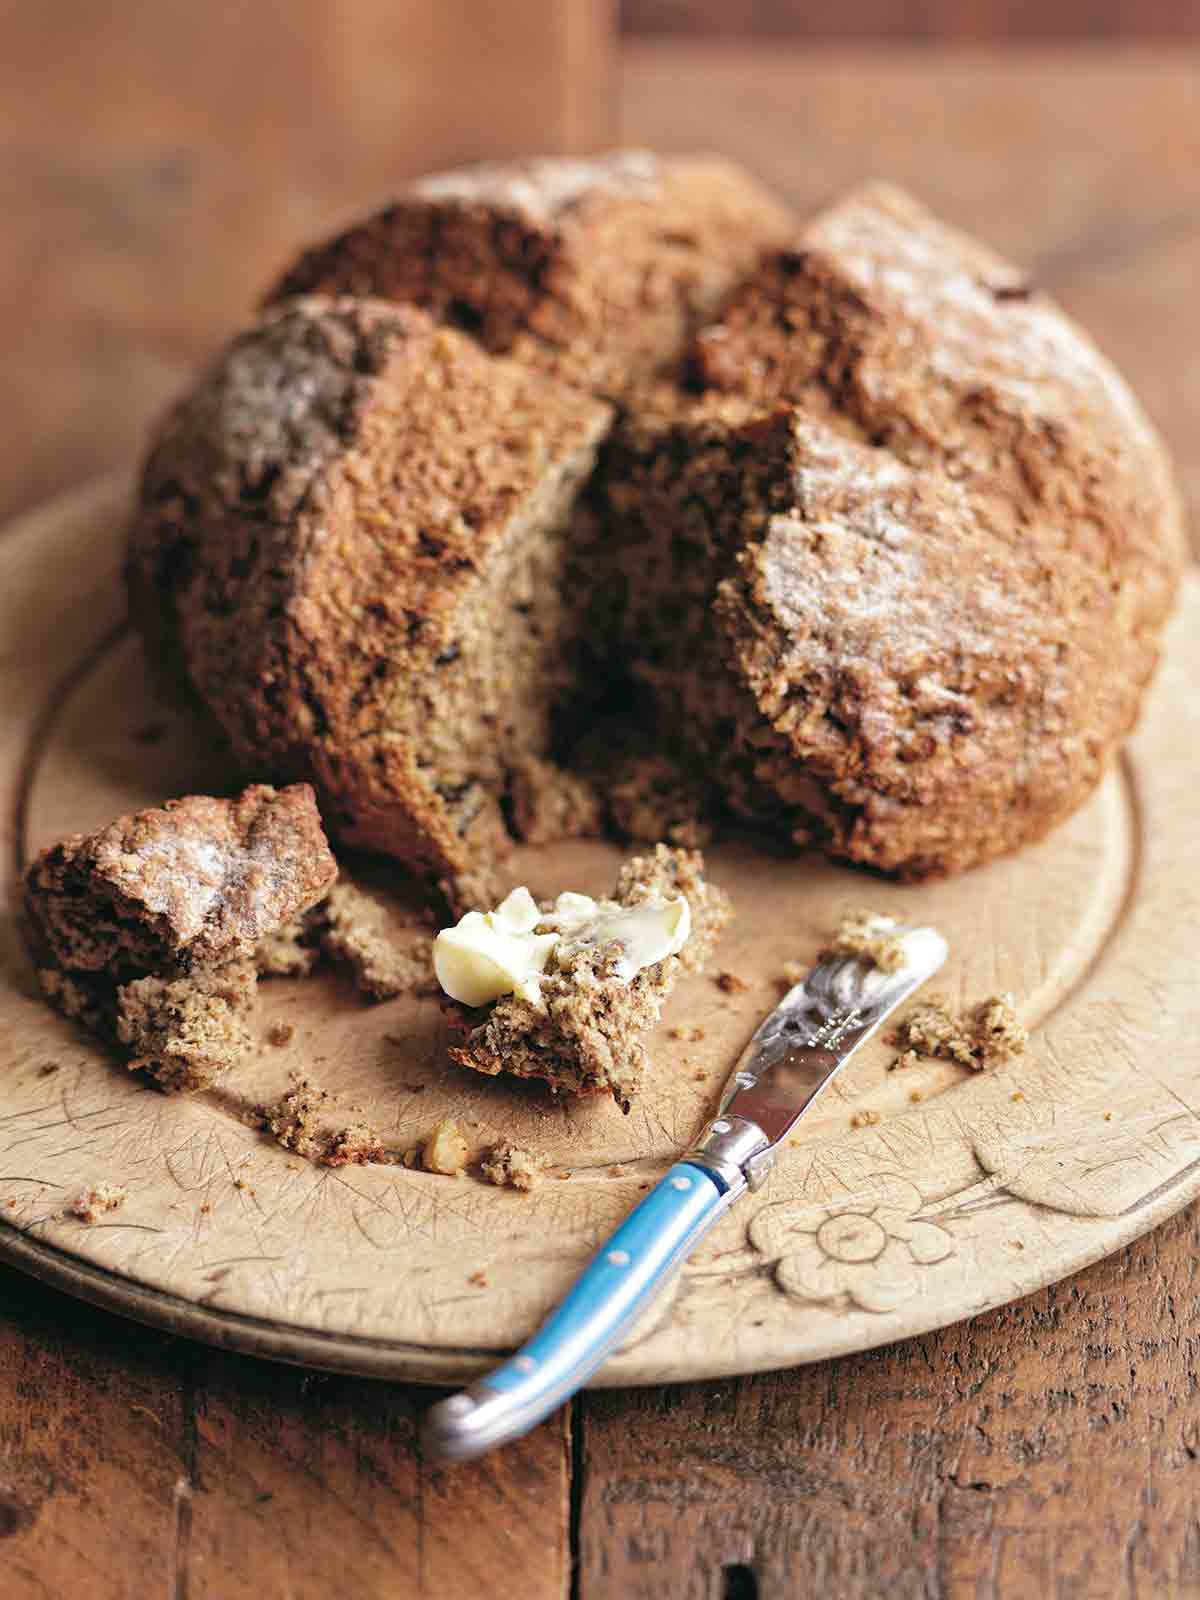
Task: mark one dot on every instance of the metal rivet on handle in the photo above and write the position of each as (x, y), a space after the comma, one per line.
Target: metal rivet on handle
(720, 1127)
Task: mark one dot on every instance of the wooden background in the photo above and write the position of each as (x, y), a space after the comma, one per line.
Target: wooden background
(156, 161)
(940, 20)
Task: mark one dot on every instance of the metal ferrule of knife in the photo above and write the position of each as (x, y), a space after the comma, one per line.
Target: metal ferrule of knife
(792, 1057)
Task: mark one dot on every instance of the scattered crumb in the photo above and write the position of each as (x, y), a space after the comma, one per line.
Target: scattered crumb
(292, 950)
(731, 983)
(46, 1068)
(90, 1204)
(377, 941)
(281, 1033)
(1018, 1095)
(998, 1031)
(864, 1119)
(1108, 1116)
(354, 1146)
(699, 1077)
(679, 1032)
(479, 1279)
(563, 1173)
(509, 1166)
(988, 1033)
(294, 1119)
(916, 1096)
(869, 936)
(294, 1122)
(445, 1150)
(205, 1209)
(1017, 1244)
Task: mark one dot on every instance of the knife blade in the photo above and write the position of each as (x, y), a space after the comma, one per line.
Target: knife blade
(800, 1047)
(793, 1057)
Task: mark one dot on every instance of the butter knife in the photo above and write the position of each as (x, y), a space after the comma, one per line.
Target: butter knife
(792, 1059)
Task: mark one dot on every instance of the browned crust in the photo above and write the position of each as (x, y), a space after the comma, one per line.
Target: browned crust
(594, 271)
(315, 518)
(937, 576)
(196, 881)
(893, 554)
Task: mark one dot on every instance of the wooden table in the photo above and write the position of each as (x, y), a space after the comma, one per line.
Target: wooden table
(1052, 1448)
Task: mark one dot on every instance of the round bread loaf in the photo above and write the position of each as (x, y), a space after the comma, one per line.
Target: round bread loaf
(886, 560)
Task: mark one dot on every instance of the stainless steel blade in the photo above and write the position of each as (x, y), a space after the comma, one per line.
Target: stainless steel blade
(817, 1027)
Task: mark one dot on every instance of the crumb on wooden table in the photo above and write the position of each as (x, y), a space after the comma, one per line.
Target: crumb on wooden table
(445, 1150)
(90, 1204)
(693, 1034)
(479, 1279)
(46, 1068)
(864, 1119)
(281, 1033)
(730, 983)
(980, 1037)
(510, 1166)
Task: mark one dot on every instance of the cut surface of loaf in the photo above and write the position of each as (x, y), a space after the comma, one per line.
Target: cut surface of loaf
(355, 530)
(882, 556)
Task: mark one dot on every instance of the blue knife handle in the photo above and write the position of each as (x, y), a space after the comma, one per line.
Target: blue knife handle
(616, 1285)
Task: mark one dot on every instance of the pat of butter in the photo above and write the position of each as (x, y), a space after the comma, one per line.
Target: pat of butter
(492, 953)
(646, 933)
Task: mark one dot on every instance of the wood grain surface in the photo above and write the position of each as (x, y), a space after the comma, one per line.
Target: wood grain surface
(1051, 1448)
(160, 162)
(940, 21)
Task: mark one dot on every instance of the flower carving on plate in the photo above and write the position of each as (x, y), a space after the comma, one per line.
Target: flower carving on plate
(867, 1250)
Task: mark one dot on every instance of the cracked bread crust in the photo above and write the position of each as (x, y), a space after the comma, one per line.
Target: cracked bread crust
(594, 271)
(928, 586)
(341, 526)
(194, 882)
(892, 556)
